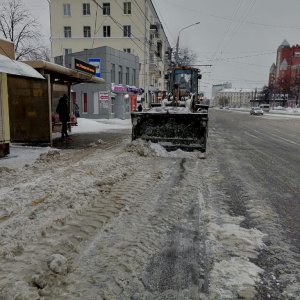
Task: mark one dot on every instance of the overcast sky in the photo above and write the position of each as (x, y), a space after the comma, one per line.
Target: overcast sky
(239, 38)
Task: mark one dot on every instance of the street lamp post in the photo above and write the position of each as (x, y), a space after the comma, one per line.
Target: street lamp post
(177, 44)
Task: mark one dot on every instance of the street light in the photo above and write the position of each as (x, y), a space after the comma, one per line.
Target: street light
(177, 44)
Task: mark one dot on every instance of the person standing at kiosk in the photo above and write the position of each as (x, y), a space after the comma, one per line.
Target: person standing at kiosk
(64, 115)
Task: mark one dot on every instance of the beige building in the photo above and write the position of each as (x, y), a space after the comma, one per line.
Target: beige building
(234, 97)
(131, 26)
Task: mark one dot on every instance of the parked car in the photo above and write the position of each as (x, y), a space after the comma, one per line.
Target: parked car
(256, 111)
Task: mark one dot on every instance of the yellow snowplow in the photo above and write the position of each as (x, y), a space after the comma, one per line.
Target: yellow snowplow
(179, 122)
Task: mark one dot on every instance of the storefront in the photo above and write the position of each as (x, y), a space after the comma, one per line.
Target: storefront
(120, 101)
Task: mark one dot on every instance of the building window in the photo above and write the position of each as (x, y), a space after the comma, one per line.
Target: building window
(112, 105)
(67, 32)
(127, 8)
(106, 9)
(65, 60)
(128, 50)
(85, 103)
(127, 76)
(133, 77)
(127, 31)
(113, 73)
(87, 31)
(67, 51)
(67, 9)
(86, 11)
(106, 31)
(120, 74)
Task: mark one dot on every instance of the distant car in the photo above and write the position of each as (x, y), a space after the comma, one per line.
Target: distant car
(256, 111)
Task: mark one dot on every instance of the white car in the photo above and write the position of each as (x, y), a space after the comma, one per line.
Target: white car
(256, 111)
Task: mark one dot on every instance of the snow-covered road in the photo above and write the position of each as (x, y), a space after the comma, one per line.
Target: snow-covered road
(132, 221)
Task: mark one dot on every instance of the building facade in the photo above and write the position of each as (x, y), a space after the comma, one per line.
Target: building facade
(216, 88)
(115, 98)
(284, 75)
(130, 26)
(234, 97)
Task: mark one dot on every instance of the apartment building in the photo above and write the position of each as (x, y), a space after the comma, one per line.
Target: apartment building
(234, 97)
(216, 88)
(130, 26)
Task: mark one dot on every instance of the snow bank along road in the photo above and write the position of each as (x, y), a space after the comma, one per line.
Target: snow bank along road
(130, 221)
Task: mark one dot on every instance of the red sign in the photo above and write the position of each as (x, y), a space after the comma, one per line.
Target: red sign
(103, 96)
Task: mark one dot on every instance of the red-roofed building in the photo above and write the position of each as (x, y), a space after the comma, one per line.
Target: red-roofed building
(284, 76)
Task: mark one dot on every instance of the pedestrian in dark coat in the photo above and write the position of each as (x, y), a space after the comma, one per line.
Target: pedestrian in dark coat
(64, 115)
(140, 107)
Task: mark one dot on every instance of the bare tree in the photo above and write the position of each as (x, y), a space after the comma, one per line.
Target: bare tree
(20, 27)
(41, 52)
(186, 57)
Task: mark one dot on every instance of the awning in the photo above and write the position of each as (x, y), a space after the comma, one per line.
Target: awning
(14, 67)
(63, 74)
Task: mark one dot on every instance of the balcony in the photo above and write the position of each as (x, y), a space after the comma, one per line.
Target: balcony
(152, 47)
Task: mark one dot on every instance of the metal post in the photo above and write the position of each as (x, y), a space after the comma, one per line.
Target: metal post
(177, 44)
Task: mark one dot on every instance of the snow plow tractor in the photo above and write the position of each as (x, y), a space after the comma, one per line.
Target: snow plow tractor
(180, 121)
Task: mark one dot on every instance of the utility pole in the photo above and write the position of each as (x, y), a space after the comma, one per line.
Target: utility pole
(177, 44)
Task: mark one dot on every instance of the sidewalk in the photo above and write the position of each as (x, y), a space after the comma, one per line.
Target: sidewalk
(283, 111)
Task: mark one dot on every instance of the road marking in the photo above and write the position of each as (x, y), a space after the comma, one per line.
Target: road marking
(277, 137)
(286, 140)
(254, 136)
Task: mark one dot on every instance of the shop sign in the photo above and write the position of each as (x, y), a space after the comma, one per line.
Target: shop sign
(132, 89)
(118, 88)
(103, 96)
(84, 67)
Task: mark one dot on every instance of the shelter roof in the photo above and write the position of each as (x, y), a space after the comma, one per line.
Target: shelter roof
(61, 74)
(15, 67)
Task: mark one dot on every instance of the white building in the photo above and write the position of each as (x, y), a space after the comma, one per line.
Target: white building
(218, 87)
(234, 97)
(130, 26)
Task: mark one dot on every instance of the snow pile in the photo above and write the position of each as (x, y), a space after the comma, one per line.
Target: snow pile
(19, 290)
(22, 155)
(144, 148)
(170, 110)
(233, 274)
(58, 264)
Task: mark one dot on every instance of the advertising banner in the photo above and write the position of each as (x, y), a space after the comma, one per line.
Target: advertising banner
(96, 62)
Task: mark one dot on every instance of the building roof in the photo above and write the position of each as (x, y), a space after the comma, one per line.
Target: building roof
(273, 68)
(62, 73)
(2, 39)
(18, 68)
(284, 44)
(235, 90)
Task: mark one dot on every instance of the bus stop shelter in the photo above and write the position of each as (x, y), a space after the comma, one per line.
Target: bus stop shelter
(32, 101)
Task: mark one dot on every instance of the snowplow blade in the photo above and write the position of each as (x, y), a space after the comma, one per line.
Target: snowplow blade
(186, 131)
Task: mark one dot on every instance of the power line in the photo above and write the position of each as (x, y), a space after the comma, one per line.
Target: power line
(240, 57)
(230, 19)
